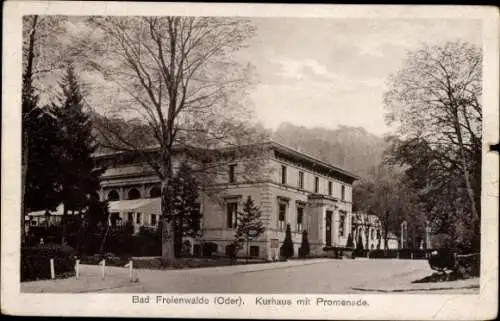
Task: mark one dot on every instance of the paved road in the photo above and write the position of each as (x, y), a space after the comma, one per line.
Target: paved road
(310, 276)
(321, 276)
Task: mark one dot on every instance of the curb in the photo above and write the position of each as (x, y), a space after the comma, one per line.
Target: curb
(416, 290)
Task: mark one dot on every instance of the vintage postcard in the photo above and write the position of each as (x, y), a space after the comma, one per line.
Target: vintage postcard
(250, 161)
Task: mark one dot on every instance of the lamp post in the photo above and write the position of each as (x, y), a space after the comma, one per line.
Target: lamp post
(404, 231)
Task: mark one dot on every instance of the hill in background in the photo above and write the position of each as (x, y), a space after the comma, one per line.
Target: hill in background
(351, 148)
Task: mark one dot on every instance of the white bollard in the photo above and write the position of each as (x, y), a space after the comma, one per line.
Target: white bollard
(131, 270)
(411, 255)
(103, 265)
(77, 269)
(52, 270)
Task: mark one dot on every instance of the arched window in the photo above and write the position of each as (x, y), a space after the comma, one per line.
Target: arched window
(113, 196)
(155, 192)
(134, 194)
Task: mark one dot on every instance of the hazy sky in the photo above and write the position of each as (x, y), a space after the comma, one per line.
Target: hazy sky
(329, 72)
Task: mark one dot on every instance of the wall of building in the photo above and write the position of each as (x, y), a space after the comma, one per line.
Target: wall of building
(292, 180)
(266, 189)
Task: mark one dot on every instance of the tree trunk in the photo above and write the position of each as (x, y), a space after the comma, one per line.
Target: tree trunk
(167, 232)
(248, 250)
(463, 160)
(24, 171)
(27, 94)
(64, 222)
(386, 227)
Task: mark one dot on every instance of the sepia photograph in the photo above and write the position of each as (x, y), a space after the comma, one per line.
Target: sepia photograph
(193, 159)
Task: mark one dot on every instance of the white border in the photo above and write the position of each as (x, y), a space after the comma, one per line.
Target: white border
(457, 307)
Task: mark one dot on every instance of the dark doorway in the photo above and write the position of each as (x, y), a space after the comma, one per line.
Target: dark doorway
(328, 228)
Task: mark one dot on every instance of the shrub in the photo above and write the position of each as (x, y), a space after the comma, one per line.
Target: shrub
(304, 246)
(350, 242)
(35, 261)
(468, 265)
(286, 249)
(444, 259)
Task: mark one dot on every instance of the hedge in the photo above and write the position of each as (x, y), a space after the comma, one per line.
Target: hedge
(35, 261)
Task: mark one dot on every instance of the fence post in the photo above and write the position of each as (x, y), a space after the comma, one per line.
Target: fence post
(397, 255)
(77, 268)
(131, 270)
(411, 255)
(52, 269)
(103, 266)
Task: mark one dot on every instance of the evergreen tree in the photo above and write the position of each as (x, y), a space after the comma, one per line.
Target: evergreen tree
(287, 247)
(185, 205)
(249, 225)
(79, 178)
(350, 242)
(304, 246)
(359, 243)
(43, 179)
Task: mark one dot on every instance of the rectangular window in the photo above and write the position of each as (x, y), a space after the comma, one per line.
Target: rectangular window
(232, 176)
(254, 251)
(316, 184)
(196, 217)
(153, 219)
(342, 193)
(342, 225)
(130, 216)
(283, 174)
(301, 179)
(281, 215)
(138, 218)
(300, 218)
(330, 188)
(231, 210)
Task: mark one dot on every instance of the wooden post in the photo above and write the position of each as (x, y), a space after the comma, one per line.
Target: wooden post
(77, 268)
(103, 265)
(131, 270)
(411, 255)
(52, 269)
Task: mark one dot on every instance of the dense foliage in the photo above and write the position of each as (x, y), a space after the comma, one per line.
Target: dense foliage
(304, 246)
(249, 225)
(287, 249)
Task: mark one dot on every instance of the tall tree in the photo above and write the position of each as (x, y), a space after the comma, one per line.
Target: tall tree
(385, 194)
(177, 77)
(44, 55)
(80, 179)
(43, 181)
(435, 100)
(249, 225)
(185, 205)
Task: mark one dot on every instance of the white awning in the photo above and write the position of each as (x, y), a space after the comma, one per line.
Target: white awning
(142, 205)
(59, 211)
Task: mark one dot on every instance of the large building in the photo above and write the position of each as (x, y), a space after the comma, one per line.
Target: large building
(290, 187)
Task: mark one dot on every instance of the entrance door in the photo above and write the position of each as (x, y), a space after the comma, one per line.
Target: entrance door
(328, 229)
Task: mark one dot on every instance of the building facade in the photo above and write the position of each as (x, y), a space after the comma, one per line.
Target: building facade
(289, 187)
(367, 228)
